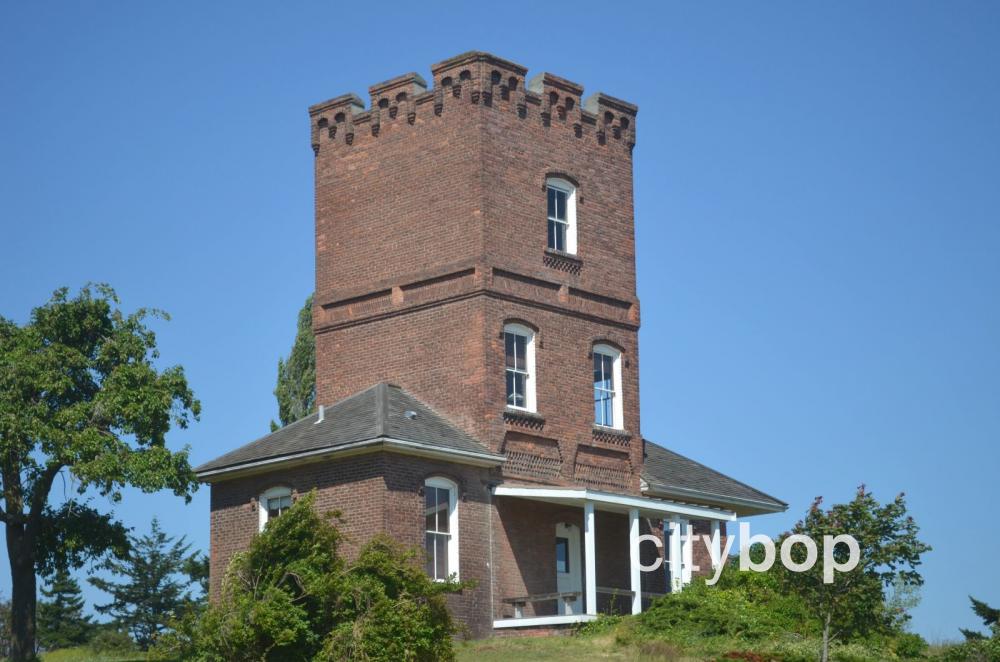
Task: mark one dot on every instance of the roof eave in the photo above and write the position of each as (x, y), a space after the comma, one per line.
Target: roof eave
(739, 505)
(377, 444)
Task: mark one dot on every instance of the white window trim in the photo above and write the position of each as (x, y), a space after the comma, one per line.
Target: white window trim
(262, 502)
(570, 191)
(529, 357)
(617, 412)
(452, 488)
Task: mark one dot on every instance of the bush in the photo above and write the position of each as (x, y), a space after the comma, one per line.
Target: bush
(290, 596)
(910, 646)
(747, 607)
(982, 650)
(111, 641)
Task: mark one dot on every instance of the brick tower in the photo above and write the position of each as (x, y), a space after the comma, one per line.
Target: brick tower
(477, 356)
(450, 220)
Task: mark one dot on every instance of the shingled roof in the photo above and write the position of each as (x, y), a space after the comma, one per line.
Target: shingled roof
(384, 414)
(669, 474)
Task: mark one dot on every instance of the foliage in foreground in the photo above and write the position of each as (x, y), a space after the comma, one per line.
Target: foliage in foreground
(291, 596)
(979, 647)
(296, 386)
(61, 621)
(748, 614)
(80, 394)
(154, 588)
(855, 604)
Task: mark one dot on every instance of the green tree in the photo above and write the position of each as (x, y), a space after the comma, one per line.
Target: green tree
(990, 618)
(291, 596)
(854, 604)
(4, 628)
(79, 393)
(155, 589)
(61, 621)
(196, 569)
(296, 387)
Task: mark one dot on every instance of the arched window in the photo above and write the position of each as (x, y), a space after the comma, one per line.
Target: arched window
(441, 528)
(273, 502)
(519, 354)
(561, 214)
(607, 386)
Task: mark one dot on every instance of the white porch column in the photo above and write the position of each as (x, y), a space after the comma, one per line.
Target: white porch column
(687, 547)
(589, 551)
(676, 581)
(634, 572)
(716, 545)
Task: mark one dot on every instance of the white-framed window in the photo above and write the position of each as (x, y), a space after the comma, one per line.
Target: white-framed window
(273, 502)
(607, 386)
(519, 366)
(561, 205)
(441, 528)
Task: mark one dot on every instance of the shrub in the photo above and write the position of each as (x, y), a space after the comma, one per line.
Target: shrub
(910, 646)
(980, 650)
(390, 609)
(747, 608)
(109, 640)
(290, 596)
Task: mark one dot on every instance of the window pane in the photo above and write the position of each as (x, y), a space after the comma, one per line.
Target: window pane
(603, 408)
(430, 508)
(443, 520)
(508, 341)
(429, 547)
(515, 389)
(442, 556)
(562, 555)
(520, 352)
(561, 205)
(557, 235)
(603, 371)
(552, 202)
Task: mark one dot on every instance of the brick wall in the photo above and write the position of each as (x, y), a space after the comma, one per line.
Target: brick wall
(431, 233)
(375, 493)
(355, 486)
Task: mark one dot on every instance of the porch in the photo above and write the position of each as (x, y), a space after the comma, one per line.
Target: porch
(566, 555)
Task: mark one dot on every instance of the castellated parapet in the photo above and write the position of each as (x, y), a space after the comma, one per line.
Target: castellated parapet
(475, 78)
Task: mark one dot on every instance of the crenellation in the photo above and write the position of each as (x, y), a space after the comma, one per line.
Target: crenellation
(478, 79)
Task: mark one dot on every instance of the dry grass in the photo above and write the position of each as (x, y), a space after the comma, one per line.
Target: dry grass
(565, 649)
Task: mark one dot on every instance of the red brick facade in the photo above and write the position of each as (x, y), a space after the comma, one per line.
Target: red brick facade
(430, 236)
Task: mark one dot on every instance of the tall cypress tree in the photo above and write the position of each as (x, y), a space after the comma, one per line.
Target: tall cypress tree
(155, 587)
(61, 622)
(296, 387)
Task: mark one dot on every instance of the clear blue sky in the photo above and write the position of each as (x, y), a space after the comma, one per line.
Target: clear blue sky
(817, 209)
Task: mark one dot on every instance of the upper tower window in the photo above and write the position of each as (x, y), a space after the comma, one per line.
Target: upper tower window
(561, 214)
(519, 352)
(607, 386)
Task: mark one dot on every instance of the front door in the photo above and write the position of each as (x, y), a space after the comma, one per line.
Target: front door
(568, 575)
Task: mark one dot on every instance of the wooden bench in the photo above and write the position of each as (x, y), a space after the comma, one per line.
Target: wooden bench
(566, 597)
(570, 596)
(624, 592)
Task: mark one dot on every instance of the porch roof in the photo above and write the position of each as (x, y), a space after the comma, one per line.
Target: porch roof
(671, 475)
(610, 501)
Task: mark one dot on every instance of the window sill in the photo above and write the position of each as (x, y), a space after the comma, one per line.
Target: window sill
(523, 417)
(562, 261)
(611, 436)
